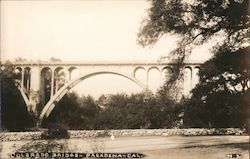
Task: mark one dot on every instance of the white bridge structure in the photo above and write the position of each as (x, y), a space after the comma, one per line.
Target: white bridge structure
(44, 83)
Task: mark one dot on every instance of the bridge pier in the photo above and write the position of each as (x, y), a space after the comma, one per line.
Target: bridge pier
(52, 82)
(35, 89)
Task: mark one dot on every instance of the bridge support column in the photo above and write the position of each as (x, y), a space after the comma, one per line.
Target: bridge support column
(28, 85)
(52, 82)
(22, 78)
(34, 89)
(147, 81)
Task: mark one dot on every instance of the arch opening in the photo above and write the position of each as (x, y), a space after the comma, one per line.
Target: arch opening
(26, 82)
(187, 81)
(45, 87)
(60, 78)
(195, 76)
(105, 84)
(18, 73)
(73, 72)
(154, 79)
(66, 88)
(141, 74)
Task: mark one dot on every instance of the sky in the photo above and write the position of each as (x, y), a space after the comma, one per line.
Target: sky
(72, 30)
(79, 31)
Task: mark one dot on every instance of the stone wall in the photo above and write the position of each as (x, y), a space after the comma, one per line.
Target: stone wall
(17, 136)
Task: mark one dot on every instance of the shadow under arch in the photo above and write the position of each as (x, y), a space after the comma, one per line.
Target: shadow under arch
(58, 95)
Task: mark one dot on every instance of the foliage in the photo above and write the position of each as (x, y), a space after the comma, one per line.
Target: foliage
(14, 114)
(55, 131)
(221, 97)
(54, 59)
(118, 111)
(227, 70)
(74, 111)
(20, 59)
(196, 22)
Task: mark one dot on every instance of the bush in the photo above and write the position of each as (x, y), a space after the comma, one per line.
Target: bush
(55, 131)
(118, 111)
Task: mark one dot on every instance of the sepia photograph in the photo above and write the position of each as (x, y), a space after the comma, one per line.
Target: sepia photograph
(151, 79)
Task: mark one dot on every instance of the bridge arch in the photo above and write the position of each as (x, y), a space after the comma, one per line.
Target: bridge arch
(153, 67)
(138, 68)
(58, 95)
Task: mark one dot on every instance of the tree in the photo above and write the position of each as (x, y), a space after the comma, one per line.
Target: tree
(196, 23)
(136, 111)
(54, 59)
(74, 111)
(221, 97)
(65, 112)
(14, 113)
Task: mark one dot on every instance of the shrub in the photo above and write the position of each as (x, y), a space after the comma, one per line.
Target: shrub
(55, 131)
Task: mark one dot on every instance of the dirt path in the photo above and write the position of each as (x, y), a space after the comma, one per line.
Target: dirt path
(155, 147)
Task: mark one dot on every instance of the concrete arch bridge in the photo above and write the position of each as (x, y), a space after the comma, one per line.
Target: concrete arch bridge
(46, 82)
